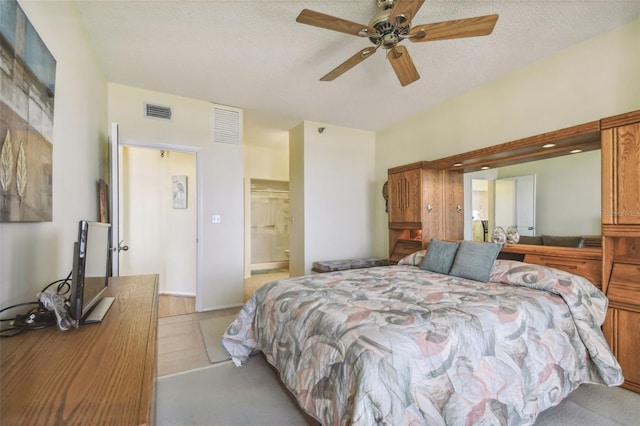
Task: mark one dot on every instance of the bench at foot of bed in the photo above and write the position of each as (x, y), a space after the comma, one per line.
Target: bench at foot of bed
(343, 265)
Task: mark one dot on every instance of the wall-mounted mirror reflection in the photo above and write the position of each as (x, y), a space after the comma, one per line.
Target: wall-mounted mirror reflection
(560, 197)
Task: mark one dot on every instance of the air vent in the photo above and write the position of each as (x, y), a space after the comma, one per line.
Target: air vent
(227, 124)
(159, 112)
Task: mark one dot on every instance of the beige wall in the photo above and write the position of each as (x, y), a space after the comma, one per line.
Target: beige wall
(219, 183)
(297, 193)
(35, 254)
(589, 81)
(331, 182)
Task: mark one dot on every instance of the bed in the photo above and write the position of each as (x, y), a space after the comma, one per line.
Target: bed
(401, 345)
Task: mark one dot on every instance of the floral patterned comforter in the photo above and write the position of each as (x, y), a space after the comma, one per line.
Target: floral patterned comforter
(398, 345)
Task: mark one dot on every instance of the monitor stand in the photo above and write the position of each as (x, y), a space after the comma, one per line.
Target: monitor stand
(100, 310)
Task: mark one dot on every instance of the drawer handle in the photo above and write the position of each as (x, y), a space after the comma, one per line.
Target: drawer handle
(560, 265)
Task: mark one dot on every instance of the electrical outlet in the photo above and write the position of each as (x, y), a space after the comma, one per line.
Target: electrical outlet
(215, 218)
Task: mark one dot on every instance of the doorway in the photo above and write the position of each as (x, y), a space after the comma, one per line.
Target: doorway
(269, 225)
(158, 216)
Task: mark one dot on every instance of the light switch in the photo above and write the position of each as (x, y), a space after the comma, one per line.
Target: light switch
(215, 218)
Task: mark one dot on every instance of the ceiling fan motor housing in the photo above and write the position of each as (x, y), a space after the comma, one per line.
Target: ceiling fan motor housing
(388, 34)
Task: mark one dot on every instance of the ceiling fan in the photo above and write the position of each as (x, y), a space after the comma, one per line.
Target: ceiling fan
(392, 25)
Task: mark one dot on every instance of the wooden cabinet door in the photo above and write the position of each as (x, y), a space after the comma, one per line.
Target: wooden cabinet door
(395, 193)
(622, 331)
(628, 355)
(621, 175)
(405, 196)
(433, 208)
(453, 204)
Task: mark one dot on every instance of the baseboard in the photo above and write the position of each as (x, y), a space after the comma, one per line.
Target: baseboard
(217, 308)
(176, 293)
(269, 265)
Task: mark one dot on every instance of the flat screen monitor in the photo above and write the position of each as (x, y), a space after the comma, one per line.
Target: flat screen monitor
(91, 267)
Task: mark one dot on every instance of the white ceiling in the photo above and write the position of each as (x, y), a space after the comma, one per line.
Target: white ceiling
(253, 55)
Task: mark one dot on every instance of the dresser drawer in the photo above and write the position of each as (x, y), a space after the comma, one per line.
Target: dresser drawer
(404, 248)
(624, 285)
(589, 268)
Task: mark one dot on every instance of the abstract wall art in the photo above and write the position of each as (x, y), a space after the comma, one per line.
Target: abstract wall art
(27, 82)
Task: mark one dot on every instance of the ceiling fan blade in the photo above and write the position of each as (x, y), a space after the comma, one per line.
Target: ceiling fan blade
(458, 28)
(329, 22)
(406, 8)
(403, 65)
(350, 63)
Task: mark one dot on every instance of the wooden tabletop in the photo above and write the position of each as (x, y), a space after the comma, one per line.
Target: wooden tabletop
(101, 373)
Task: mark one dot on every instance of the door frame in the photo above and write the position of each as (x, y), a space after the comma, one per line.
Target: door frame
(199, 198)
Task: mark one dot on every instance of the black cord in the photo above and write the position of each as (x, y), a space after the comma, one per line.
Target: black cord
(62, 283)
(63, 287)
(16, 306)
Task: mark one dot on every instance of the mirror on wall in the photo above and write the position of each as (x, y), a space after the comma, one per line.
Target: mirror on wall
(563, 197)
(515, 203)
(503, 202)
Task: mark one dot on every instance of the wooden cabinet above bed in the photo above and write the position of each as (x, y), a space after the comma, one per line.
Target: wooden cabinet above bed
(405, 196)
(424, 203)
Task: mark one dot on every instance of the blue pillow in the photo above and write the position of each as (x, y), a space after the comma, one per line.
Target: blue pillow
(474, 260)
(439, 256)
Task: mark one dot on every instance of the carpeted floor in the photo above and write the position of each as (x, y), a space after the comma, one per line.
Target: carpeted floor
(212, 331)
(224, 394)
(252, 395)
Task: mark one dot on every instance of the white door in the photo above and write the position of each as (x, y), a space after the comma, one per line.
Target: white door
(515, 203)
(505, 203)
(162, 234)
(526, 205)
(114, 202)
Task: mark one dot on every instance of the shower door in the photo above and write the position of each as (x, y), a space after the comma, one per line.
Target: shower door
(269, 227)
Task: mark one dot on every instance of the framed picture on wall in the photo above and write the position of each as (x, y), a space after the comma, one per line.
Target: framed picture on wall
(26, 119)
(179, 191)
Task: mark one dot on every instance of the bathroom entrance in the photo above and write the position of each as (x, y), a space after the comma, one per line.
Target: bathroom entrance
(269, 225)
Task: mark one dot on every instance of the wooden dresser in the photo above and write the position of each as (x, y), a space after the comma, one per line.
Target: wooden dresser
(100, 373)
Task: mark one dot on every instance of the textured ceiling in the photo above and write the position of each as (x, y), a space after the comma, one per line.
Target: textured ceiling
(253, 55)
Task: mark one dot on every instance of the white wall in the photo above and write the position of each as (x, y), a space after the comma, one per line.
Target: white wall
(220, 183)
(594, 79)
(331, 186)
(35, 254)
